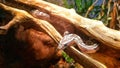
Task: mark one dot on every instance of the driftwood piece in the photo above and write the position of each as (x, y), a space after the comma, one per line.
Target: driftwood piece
(22, 16)
(104, 55)
(87, 61)
(92, 28)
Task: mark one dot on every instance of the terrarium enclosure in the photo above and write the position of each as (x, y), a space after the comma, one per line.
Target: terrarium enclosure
(59, 34)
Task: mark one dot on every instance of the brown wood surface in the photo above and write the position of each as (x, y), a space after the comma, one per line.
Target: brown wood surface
(94, 28)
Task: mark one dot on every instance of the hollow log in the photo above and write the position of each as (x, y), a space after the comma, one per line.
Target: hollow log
(22, 17)
(70, 16)
(93, 28)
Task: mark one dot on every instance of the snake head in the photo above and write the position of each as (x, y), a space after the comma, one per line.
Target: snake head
(65, 40)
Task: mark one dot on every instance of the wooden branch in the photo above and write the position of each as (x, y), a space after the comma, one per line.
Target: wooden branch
(87, 61)
(95, 29)
(22, 16)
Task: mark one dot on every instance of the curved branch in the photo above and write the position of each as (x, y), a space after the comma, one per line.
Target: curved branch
(93, 28)
(49, 29)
